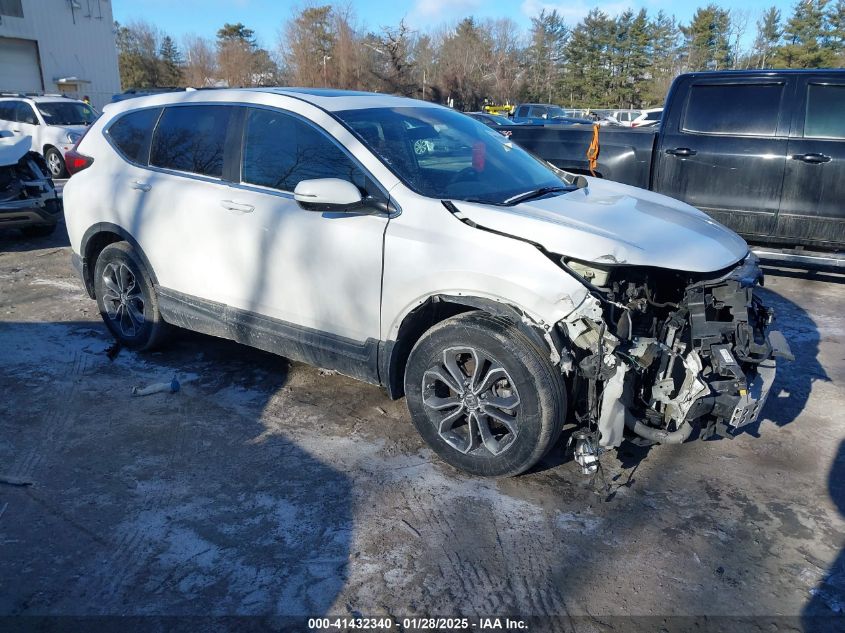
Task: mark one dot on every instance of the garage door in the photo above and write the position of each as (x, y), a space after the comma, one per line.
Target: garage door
(20, 70)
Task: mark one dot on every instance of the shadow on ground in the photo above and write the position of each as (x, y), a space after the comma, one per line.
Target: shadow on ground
(163, 505)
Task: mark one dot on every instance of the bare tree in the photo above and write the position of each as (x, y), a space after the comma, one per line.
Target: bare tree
(307, 44)
(739, 26)
(200, 61)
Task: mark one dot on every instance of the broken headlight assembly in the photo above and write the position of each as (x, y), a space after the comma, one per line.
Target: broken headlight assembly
(659, 351)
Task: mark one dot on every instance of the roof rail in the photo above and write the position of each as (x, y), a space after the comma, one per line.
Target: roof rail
(34, 94)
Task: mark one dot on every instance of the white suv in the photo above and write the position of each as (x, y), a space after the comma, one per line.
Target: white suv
(502, 297)
(55, 124)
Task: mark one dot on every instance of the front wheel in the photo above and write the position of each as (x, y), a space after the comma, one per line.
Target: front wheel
(55, 163)
(483, 396)
(126, 298)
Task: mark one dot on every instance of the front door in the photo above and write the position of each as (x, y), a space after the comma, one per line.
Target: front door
(318, 271)
(723, 150)
(813, 209)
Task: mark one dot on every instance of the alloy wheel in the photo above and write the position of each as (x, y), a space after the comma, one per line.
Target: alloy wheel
(54, 163)
(473, 400)
(122, 299)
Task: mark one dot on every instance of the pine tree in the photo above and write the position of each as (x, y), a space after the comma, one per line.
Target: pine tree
(544, 57)
(806, 37)
(664, 52)
(836, 35)
(171, 62)
(588, 52)
(768, 35)
(706, 39)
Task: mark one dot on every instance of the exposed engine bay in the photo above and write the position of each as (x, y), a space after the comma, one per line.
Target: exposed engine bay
(661, 351)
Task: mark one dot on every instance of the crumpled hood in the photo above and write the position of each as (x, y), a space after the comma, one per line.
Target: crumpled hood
(611, 223)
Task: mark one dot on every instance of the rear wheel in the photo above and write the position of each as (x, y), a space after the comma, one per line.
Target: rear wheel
(483, 396)
(126, 298)
(55, 163)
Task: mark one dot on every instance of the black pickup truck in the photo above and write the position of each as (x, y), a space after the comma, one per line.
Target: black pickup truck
(762, 152)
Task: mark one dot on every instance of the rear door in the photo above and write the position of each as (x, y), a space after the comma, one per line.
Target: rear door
(27, 124)
(723, 149)
(7, 115)
(175, 207)
(813, 209)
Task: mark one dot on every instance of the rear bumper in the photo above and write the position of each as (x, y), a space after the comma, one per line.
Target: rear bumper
(44, 211)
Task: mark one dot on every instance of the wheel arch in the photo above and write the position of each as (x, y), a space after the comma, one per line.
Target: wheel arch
(95, 239)
(393, 357)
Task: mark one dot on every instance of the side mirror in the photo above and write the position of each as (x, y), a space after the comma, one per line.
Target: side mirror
(327, 194)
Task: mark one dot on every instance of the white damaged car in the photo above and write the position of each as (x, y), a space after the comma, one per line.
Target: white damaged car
(501, 297)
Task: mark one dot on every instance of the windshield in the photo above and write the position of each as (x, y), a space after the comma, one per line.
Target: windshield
(67, 113)
(443, 154)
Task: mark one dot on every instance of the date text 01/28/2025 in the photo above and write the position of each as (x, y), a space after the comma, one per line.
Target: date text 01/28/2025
(418, 624)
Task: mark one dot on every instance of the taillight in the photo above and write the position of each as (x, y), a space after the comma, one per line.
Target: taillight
(76, 162)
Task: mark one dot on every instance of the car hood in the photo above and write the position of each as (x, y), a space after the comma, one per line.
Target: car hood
(611, 223)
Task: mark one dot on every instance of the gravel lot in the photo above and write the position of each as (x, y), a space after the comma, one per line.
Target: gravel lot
(271, 488)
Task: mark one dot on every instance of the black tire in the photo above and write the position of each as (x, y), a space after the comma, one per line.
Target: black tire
(55, 163)
(42, 230)
(478, 443)
(124, 293)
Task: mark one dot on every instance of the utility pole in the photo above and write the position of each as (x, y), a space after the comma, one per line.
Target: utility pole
(325, 76)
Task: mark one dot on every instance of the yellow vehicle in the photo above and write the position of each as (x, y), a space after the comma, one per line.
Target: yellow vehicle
(501, 110)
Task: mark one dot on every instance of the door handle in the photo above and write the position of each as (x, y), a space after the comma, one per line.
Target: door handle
(815, 159)
(231, 205)
(140, 186)
(681, 151)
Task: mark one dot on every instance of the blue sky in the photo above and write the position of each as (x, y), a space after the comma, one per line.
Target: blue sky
(265, 17)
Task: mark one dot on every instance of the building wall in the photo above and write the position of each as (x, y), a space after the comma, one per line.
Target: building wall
(75, 39)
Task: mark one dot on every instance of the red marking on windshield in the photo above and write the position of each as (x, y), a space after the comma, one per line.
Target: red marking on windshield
(479, 152)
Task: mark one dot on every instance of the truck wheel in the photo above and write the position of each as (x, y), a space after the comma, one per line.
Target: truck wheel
(483, 396)
(55, 163)
(126, 298)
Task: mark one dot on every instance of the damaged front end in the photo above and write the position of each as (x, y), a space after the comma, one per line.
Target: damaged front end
(660, 351)
(27, 195)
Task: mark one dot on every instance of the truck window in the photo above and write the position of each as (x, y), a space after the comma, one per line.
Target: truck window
(825, 105)
(522, 112)
(740, 109)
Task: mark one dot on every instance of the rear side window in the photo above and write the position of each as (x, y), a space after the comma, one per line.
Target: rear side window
(825, 108)
(191, 139)
(25, 113)
(7, 110)
(743, 109)
(280, 150)
(522, 112)
(131, 134)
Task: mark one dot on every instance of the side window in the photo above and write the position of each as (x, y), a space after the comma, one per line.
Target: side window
(742, 109)
(522, 112)
(7, 111)
(25, 113)
(825, 107)
(538, 112)
(131, 134)
(192, 139)
(280, 150)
